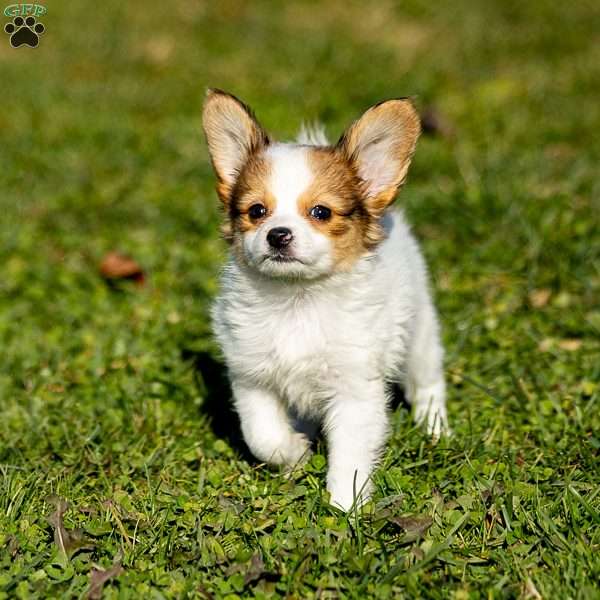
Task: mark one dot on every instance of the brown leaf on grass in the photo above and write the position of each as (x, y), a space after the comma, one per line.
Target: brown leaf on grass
(434, 123)
(253, 569)
(570, 345)
(98, 577)
(389, 506)
(417, 553)
(119, 266)
(158, 50)
(539, 298)
(68, 541)
(414, 527)
(437, 499)
(204, 593)
(256, 569)
(12, 545)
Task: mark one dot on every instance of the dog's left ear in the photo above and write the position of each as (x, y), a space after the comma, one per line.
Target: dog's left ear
(233, 134)
(380, 145)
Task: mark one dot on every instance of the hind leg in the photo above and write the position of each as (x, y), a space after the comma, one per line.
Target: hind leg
(425, 385)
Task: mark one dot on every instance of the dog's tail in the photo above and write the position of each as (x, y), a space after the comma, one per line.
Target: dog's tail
(312, 135)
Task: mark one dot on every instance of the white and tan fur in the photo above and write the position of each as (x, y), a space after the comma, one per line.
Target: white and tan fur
(314, 332)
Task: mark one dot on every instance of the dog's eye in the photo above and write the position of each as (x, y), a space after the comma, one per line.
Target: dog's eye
(257, 211)
(321, 213)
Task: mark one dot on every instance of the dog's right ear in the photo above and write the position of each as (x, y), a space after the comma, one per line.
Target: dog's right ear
(233, 134)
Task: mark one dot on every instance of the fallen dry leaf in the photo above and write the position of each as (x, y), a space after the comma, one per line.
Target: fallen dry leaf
(68, 541)
(388, 507)
(119, 266)
(204, 593)
(255, 570)
(571, 345)
(12, 545)
(433, 123)
(539, 298)
(414, 527)
(252, 569)
(98, 577)
(546, 345)
(158, 50)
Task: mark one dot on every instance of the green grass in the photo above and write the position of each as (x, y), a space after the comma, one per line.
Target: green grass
(102, 398)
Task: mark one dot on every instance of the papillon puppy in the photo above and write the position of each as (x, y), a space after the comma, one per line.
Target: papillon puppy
(324, 302)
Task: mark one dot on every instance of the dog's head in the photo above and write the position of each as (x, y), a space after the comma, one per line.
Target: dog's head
(304, 210)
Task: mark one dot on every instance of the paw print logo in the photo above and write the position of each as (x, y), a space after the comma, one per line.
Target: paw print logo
(24, 32)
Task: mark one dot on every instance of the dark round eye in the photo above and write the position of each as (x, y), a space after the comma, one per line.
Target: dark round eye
(257, 211)
(322, 213)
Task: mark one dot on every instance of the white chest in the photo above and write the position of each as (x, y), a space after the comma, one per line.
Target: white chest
(293, 348)
(311, 343)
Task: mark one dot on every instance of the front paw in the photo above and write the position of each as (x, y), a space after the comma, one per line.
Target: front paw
(348, 491)
(430, 410)
(289, 450)
(435, 420)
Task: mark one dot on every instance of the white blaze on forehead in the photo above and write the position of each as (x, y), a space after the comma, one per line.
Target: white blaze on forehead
(290, 176)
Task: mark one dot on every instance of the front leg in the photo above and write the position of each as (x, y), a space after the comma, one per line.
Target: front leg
(356, 427)
(267, 427)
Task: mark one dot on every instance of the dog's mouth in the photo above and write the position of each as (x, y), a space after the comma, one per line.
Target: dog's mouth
(282, 258)
(285, 265)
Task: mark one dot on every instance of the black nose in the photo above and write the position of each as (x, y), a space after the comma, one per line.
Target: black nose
(279, 237)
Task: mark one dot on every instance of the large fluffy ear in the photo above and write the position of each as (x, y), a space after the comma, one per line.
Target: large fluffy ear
(380, 145)
(232, 134)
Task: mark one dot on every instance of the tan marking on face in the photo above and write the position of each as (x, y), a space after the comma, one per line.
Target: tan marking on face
(250, 188)
(337, 187)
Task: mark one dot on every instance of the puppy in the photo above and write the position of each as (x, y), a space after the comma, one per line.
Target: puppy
(324, 301)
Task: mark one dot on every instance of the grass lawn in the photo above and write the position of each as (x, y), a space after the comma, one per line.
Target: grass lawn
(111, 396)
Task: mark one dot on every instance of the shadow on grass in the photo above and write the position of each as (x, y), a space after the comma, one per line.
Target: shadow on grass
(398, 398)
(211, 378)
